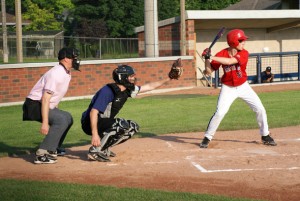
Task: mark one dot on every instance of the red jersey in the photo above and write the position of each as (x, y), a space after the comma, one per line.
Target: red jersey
(234, 75)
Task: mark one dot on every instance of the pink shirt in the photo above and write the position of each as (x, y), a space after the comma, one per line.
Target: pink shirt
(234, 75)
(55, 81)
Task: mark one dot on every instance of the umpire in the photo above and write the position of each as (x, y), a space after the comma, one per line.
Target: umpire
(42, 105)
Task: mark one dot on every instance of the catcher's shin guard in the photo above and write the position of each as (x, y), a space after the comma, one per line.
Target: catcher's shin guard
(134, 128)
(121, 131)
(111, 135)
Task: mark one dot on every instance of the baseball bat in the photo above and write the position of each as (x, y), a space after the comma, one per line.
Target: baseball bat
(218, 36)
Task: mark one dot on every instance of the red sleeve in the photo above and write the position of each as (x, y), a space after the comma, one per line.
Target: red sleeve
(242, 57)
(223, 53)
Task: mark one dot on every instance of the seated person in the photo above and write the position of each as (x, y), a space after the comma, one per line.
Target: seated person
(267, 76)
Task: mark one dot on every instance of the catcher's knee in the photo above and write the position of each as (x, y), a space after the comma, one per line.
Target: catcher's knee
(133, 128)
(121, 131)
(120, 125)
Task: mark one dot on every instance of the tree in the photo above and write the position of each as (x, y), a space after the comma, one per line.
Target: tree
(168, 8)
(101, 18)
(119, 16)
(91, 28)
(43, 14)
(208, 4)
(41, 19)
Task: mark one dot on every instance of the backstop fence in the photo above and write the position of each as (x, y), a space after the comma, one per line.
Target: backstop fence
(285, 67)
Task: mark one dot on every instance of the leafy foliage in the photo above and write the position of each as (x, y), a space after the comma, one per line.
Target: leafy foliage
(118, 16)
(38, 23)
(168, 8)
(101, 18)
(91, 28)
(208, 4)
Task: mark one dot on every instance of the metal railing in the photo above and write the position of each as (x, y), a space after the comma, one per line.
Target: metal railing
(46, 48)
(285, 67)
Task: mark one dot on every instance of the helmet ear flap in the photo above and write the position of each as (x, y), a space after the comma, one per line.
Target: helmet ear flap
(234, 43)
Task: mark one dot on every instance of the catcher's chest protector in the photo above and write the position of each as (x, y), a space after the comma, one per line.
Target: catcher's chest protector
(119, 100)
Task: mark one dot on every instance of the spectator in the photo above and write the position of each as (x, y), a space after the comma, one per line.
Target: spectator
(38, 49)
(267, 76)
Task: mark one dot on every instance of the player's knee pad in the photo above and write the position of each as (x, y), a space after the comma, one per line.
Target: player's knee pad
(112, 135)
(133, 128)
(121, 125)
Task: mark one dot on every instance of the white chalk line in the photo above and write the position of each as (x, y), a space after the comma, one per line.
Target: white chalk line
(287, 140)
(169, 145)
(203, 170)
(161, 162)
(221, 157)
(145, 163)
(199, 167)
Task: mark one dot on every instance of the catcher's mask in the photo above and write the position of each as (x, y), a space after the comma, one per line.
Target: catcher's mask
(235, 36)
(70, 53)
(121, 74)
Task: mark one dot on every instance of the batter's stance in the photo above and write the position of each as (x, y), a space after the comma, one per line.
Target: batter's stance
(234, 61)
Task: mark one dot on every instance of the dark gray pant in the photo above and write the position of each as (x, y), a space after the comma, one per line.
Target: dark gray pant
(60, 122)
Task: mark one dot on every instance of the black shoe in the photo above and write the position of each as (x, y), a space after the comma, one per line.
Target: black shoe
(98, 156)
(61, 151)
(112, 154)
(45, 159)
(204, 143)
(267, 140)
(109, 153)
(52, 153)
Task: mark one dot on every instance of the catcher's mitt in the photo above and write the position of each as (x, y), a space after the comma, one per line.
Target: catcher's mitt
(176, 70)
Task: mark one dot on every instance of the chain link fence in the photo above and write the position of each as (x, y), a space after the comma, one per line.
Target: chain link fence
(45, 48)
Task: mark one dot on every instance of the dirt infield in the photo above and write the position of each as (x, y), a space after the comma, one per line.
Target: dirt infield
(236, 164)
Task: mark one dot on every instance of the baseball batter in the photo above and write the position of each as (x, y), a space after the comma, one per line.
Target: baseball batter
(234, 61)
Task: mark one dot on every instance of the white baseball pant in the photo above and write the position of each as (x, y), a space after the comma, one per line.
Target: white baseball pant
(226, 97)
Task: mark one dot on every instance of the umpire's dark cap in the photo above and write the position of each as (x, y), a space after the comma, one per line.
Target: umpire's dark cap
(70, 53)
(268, 69)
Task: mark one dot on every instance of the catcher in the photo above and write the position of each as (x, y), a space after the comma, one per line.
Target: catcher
(99, 120)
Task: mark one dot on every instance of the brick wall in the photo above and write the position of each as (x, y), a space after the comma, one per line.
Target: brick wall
(169, 39)
(16, 82)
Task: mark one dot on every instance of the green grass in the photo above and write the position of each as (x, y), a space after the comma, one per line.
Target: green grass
(33, 190)
(156, 115)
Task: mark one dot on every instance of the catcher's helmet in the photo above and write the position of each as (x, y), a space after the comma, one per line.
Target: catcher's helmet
(235, 36)
(121, 74)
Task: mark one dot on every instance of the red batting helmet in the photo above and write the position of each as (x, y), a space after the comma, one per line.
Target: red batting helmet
(235, 36)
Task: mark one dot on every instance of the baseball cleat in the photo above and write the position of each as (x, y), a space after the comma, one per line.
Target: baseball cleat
(204, 143)
(61, 151)
(98, 156)
(109, 153)
(267, 140)
(45, 159)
